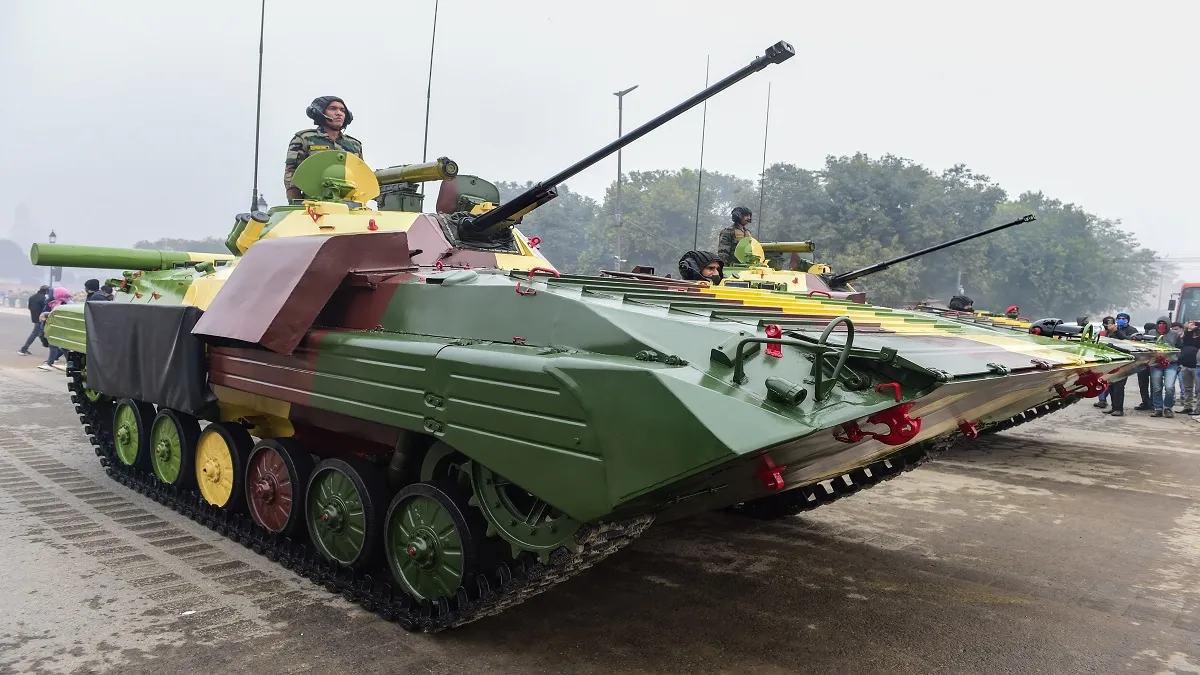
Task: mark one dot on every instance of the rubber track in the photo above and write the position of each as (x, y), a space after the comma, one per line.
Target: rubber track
(1031, 414)
(506, 585)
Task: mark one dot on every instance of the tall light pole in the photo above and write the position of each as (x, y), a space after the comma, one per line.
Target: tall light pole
(762, 184)
(53, 238)
(256, 201)
(429, 90)
(620, 115)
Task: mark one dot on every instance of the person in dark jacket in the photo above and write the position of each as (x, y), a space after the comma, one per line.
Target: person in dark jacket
(37, 303)
(92, 286)
(1121, 330)
(1164, 370)
(1187, 367)
(1148, 333)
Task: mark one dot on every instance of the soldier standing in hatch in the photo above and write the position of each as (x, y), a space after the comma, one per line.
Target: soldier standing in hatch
(729, 237)
(332, 117)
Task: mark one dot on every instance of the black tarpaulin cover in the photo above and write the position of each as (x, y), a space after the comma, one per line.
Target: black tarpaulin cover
(147, 353)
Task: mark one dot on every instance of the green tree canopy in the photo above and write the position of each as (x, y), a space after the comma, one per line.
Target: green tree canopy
(860, 210)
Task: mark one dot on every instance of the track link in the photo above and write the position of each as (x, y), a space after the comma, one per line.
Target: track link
(506, 585)
(1030, 415)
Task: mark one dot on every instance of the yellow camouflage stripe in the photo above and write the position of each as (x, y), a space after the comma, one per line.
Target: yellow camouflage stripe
(891, 321)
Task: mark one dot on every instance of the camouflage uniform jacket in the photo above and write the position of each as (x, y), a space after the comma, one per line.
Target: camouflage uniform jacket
(306, 142)
(728, 240)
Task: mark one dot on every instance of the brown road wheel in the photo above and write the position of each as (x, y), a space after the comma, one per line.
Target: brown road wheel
(276, 475)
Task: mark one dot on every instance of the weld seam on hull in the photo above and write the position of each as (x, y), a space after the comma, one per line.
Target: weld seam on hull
(524, 413)
(533, 444)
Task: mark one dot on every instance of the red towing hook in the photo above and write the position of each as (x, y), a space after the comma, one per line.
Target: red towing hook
(771, 474)
(901, 427)
(1089, 385)
(969, 429)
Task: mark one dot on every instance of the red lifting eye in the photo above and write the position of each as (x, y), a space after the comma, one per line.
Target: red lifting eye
(774, 332)
(771, 474)
(371, 225)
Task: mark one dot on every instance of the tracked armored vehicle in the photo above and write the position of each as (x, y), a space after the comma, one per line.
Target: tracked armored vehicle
(417, 411)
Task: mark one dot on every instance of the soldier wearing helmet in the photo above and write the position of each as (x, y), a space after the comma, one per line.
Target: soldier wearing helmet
(332, 117)
(729, 237)
(702, 266)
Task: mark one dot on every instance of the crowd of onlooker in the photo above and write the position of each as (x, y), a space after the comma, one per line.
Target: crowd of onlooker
(41, 302)
(1166, 379)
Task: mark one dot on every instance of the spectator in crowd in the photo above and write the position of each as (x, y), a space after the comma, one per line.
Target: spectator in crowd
(1116, 390)
(92, 286)
(61, 296)
(36, 304)
(1144, 375)
(1109, 323)
(1164, 369)
(1187, 366)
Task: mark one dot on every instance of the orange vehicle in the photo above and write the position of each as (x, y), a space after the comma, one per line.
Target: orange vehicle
(1189, 303)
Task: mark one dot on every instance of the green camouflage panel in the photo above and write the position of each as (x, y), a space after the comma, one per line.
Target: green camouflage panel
(306, 142)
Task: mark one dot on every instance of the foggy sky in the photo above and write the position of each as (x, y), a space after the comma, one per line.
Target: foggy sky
(135, 119)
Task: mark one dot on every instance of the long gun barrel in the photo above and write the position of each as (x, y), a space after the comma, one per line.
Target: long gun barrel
(787, 246)
(544, 191)
(103, 257)
(842, 279)
(442, 169)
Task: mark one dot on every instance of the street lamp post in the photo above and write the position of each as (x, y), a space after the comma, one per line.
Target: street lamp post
(620, 115)
(53, 238)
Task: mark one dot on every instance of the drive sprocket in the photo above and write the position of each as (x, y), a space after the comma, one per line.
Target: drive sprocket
(526, 522)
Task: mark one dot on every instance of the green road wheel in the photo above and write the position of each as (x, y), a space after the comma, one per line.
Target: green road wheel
(131, 431)
(173, 437)
(432, 539)
(344, 505)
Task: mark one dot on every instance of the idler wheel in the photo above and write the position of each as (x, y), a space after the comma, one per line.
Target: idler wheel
(276, 473)
(220, 464)
(344, 506)
(433, 539)
(90, 394)
(131, 432)
(173, 437)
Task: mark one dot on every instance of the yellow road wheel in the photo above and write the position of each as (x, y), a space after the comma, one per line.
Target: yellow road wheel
(221, 464)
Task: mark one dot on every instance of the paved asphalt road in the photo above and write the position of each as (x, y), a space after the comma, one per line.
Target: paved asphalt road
(1068, 545)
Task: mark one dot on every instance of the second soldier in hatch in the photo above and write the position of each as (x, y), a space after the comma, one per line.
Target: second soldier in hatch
(332, 117)
(729, 237)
